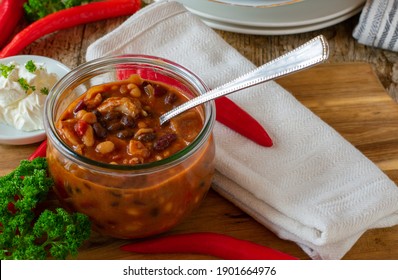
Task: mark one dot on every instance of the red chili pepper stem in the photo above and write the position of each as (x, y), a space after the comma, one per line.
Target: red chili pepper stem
(207, 243)
(67, 18)
(11, 12)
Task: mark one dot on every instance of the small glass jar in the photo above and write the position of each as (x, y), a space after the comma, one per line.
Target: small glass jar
(130, 201)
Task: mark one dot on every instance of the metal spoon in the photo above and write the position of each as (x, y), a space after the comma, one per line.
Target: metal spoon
(309, 54)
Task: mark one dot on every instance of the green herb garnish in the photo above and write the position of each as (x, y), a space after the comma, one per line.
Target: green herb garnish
(6, 69)
(30, 66)
(44, 91)
(26, 232)
(25, 85)
(36, 9)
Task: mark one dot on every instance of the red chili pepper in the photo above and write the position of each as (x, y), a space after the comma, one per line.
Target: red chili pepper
(233, 116)
(11, 11)
(40, 151)
(67, 18)
(207, 243)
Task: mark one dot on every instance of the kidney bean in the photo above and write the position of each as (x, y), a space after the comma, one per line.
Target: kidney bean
(171, 137)
(115, 126)
(164, 141)
(146, 137)
(80, 106)
(99, 130)
(159, 90)
(112, 115)
(97, 114)
(127, 121)
(125, 133)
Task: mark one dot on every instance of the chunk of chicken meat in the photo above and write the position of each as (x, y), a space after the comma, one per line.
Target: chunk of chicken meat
(127, 106)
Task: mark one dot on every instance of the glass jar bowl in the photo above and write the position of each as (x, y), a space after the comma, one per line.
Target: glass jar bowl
(130, 201)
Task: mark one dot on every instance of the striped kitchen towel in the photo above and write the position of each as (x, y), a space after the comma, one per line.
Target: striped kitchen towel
(378, 24)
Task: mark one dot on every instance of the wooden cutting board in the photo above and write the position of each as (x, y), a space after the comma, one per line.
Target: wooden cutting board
(350, 98)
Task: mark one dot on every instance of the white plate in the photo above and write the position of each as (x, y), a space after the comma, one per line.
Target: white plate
(304, 13)
(12, 136)
(258, 3)
(277, 31)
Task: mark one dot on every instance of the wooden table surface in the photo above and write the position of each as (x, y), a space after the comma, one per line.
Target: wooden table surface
(370, 70)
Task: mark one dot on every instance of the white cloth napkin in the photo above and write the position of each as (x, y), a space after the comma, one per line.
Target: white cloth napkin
(378, 24)
(312, 186)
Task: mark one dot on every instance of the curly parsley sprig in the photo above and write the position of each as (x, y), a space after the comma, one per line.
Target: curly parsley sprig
(25, 234)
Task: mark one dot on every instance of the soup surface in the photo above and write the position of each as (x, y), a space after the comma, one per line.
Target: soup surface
(118, 122)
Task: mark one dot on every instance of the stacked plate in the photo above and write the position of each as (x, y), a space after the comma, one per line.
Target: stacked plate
(273, 17)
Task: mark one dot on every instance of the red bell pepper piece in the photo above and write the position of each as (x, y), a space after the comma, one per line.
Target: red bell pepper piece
(207, 243)
(40, 151)
(67, 18)
(11, 12)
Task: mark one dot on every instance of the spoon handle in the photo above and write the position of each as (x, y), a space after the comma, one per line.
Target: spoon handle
(309, 54)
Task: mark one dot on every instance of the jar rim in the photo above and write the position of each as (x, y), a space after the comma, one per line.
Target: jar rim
(89, 68)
